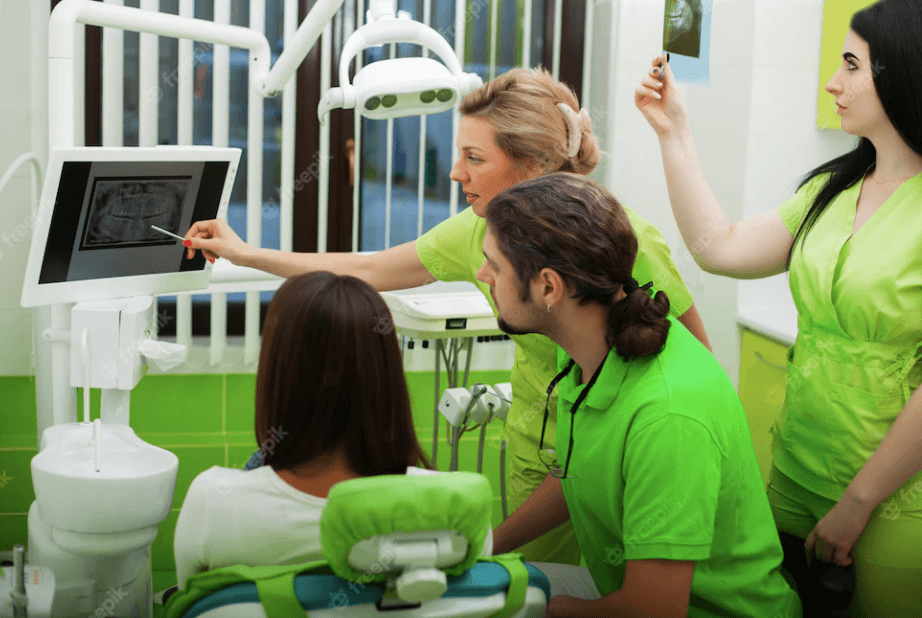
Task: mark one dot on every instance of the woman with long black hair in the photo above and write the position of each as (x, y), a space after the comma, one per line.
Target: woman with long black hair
(847, 444)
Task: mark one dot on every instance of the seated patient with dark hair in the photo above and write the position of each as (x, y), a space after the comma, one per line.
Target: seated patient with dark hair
(331, 405)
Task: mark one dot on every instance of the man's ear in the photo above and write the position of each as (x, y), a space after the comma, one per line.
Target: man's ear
(549, 287)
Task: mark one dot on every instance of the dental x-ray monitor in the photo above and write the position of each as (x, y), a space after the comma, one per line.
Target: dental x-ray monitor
(94, 235)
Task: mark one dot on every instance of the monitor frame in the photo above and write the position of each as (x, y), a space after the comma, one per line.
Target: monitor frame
(36, 293)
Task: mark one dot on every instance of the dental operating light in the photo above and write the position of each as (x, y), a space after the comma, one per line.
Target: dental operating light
(399, 86)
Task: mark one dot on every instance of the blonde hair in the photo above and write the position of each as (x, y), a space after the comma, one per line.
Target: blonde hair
(521, 106)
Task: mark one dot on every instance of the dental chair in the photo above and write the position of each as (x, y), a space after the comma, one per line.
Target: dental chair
(396, 547)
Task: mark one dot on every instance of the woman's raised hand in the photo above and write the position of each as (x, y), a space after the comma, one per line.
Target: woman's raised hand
(659, 100)
(215, 239)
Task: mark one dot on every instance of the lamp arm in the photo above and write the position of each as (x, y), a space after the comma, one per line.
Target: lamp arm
(300, 45)
(61, 36)
(397, 31)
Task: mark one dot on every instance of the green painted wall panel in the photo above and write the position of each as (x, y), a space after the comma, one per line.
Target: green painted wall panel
(837, 14)
(205, 420)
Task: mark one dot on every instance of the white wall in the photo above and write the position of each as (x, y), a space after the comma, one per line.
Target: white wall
(22, 120)
(784, 143)
(754, 128)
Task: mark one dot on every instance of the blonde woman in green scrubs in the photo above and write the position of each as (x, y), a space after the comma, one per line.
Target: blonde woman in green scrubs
(848, 440)
(518, 126)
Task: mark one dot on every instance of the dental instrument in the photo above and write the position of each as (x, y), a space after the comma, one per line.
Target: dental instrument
(469, 409)
(18, 593)
(176, 236)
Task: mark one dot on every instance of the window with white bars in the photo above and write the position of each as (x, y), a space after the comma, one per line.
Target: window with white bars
(157, 90)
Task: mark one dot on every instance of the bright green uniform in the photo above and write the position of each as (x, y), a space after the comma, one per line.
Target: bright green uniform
(663, 467)
(452, 251)
(855, 363)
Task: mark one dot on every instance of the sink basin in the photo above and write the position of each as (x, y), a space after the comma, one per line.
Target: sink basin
(132, 491)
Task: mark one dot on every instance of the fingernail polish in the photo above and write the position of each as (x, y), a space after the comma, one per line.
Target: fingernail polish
(211, 260)
(187, 243)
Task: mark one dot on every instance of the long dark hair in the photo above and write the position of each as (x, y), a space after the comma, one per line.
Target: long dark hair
(575, 226)
(330, 375)
(892, 29)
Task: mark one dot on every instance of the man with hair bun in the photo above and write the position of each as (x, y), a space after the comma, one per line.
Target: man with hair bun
(654, 464)
(517, 126)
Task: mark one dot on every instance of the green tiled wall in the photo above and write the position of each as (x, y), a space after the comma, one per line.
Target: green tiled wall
(206, 420)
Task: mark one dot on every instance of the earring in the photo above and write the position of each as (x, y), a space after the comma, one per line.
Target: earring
(551, 309)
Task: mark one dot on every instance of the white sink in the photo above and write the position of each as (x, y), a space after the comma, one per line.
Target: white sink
(131, 493)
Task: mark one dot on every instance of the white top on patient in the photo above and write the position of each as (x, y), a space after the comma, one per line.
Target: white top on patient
(253, 518)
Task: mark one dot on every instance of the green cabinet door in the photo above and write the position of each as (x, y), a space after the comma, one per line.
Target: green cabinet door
(762, 382)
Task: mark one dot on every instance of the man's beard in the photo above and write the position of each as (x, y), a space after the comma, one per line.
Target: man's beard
(512, 330)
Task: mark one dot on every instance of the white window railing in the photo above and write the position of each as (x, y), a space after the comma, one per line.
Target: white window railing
(152, 77)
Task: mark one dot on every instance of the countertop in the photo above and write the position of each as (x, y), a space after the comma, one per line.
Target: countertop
(777, 324)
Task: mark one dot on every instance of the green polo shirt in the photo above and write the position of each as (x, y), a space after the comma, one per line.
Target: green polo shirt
(663, 467)
(452, 251)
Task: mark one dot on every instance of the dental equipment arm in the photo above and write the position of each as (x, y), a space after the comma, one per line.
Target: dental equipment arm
(544, 510)
(307, 34)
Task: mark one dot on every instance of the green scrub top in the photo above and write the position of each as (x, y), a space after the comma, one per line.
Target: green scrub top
(856, 359)
(663, 467)
(453, 251)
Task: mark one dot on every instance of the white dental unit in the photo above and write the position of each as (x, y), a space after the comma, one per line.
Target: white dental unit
(101, 492)
(454, 312)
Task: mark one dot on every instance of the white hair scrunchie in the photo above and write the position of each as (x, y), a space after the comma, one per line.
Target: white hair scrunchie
(576, 124)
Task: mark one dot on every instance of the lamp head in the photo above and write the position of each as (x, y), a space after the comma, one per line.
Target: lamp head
(400, 87)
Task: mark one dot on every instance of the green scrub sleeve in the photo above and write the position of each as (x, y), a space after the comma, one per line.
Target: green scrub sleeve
(450, 250)
(793, 211)
(654, 263)
(670, 500)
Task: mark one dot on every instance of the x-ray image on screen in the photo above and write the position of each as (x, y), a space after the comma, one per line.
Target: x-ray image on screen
(94, 236)
(111, 221)
(122, 211)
